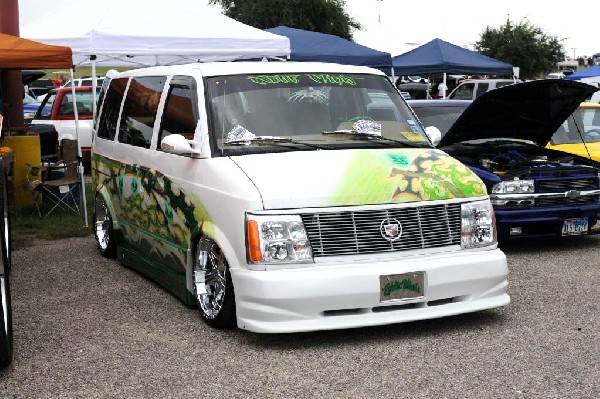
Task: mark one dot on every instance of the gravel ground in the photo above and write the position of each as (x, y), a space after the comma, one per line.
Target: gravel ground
(87, 327)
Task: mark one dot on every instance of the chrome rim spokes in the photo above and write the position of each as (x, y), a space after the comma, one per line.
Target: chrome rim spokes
(102, 224)
(210, 279)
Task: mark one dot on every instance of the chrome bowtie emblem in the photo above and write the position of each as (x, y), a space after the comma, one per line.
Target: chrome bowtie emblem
(391, 229)
(572, 194)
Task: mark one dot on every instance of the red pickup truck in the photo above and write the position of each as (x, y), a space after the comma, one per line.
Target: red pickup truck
(57, 109)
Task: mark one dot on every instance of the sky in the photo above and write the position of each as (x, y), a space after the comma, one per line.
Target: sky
(397, 26)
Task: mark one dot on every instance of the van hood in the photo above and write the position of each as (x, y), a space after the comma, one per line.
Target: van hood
(526, 111)
(307, 179)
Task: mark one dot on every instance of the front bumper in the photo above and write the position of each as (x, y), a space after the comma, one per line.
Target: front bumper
(543, 222)
(345, 292)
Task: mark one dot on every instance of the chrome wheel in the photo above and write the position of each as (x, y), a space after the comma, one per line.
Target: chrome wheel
(103, 230)
(212, 285)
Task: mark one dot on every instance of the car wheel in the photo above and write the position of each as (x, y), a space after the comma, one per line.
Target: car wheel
(6, 334)
(213, 288)
(103, 228)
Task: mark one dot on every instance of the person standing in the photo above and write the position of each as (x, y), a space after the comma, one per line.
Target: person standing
(441, 90)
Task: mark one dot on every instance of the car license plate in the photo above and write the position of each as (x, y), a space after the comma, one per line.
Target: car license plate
(572, 227)
(402, 287)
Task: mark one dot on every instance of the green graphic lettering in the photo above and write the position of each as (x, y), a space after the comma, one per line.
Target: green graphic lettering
(405, 284)
(337, 80)
(274, 79)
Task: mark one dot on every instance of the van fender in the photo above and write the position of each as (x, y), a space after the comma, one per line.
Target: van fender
(212, 231)
(103, 191)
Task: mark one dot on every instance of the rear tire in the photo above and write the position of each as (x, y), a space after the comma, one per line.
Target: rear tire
(6, 332)
(213, 288)
(103, 228)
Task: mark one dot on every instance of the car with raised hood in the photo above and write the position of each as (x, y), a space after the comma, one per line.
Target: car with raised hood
(537, 192)
(580, 133)
(285, 197)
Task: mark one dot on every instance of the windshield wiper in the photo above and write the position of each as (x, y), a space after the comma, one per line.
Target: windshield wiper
(269, 140)
(372, 137)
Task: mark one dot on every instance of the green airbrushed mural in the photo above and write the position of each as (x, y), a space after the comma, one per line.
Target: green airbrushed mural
(157, 217)
(406, 175)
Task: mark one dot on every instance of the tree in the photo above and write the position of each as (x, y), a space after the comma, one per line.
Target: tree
(523, 45)
(325, 16)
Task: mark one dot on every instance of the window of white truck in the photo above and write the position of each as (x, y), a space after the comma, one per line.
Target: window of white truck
(285, 197)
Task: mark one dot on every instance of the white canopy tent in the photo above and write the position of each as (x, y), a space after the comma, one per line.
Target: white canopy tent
(143, 33)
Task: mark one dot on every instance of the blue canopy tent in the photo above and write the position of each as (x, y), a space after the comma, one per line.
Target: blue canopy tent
(438, 56)
(315, 46)
(591, 72)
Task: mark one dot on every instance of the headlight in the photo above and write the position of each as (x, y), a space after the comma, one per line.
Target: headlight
(478, 224)
(514, 187)
(277, 239)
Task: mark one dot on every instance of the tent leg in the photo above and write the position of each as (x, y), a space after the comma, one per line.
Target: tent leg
(79, 154)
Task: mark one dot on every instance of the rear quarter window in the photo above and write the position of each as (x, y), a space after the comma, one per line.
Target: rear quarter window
(107, 125)
(139, 110)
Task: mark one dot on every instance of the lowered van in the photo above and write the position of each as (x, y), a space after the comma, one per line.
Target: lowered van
(285, 197)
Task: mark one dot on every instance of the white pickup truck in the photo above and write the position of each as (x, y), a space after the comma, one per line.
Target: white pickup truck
(57, 109)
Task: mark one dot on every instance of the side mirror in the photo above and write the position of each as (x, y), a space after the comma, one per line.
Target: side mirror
(434, 134)
(177, 144)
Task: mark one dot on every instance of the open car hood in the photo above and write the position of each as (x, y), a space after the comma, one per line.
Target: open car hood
(526, 111)
(30, 75)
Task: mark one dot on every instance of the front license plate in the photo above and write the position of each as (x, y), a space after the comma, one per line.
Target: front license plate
(402, 287)
(573, 227)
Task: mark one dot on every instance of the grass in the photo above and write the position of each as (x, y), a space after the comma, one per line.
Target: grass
(27, 227)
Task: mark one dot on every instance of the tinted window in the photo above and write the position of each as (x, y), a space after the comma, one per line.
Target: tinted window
(441, 117)
(180, 115)
(481, 88)
(139, 110)
(110, 112)
(464, 92)
(84, 100)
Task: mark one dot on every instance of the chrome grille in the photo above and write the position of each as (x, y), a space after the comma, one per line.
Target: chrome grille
(352, 233)
(567, 184)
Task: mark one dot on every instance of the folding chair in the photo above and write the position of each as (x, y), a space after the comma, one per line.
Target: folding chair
(64, 191)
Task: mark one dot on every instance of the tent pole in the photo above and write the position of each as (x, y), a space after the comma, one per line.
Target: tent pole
(445, 84)
(94, 86)
(79, 155)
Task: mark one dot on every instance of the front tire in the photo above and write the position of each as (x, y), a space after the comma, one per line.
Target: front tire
(103, 228)
(6, 332)
(213, 288)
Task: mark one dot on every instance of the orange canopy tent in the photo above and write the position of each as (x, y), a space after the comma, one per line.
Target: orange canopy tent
(19, 53)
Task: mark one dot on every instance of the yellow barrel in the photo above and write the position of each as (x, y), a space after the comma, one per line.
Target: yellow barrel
(26, 150)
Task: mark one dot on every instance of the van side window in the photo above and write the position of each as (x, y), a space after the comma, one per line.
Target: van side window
(180, 116)
(111, 106)
(139, 110)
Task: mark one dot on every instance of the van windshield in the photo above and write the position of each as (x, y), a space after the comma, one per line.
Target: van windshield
(302, 107)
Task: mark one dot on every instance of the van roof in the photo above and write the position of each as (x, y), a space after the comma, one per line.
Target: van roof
(235, 68)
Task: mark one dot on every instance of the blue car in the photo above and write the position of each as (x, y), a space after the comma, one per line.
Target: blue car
(30, 107)
(536, 192)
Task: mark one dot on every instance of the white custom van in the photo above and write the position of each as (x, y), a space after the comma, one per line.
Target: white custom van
(285, 197)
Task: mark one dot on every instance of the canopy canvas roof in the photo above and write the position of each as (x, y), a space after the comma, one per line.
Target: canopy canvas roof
(145, 32)
(591, 72)
(438, 56)
(314, 46)
(18, 53)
